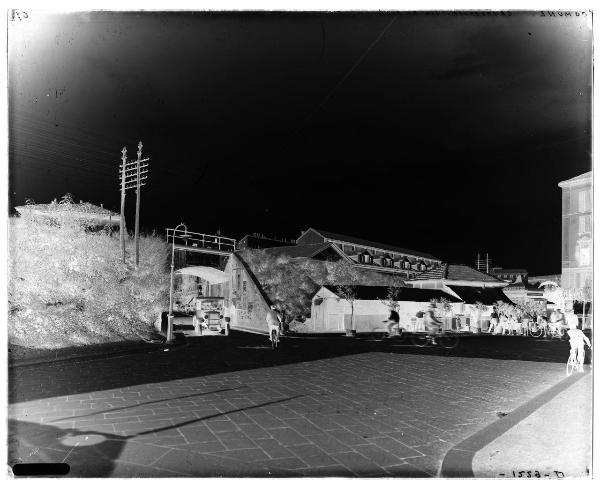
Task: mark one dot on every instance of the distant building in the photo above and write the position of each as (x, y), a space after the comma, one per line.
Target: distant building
(576, 231)
(508, 275)
(258, 241)
(367, 254)
(89, 213)
(522, 290)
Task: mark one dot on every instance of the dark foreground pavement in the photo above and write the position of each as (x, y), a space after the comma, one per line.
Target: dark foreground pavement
(233, 407)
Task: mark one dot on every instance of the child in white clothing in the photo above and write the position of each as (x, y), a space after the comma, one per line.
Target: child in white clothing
(578, 340)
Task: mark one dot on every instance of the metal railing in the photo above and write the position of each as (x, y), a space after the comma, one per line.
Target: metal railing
(202, 241)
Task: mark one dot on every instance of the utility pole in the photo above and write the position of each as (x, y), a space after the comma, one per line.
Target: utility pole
(132, 175)
(122, 221)
(137, 207)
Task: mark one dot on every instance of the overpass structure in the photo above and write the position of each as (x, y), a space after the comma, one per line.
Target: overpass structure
(204, 243)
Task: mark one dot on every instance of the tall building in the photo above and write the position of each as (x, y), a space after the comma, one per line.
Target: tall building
(576, 231)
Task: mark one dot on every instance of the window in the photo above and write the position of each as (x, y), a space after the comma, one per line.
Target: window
(244, 286)
(583, 201)
(238, 281)
(583, 253)
(585, 224)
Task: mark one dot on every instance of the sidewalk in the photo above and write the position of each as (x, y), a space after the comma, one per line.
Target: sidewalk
(555, 440)
(83, 353)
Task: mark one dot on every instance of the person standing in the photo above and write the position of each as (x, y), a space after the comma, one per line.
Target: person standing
(420, 325)
(273, 322)
(577, 340)
(493, 321)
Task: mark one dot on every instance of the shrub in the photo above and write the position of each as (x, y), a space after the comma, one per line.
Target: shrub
(68, 285)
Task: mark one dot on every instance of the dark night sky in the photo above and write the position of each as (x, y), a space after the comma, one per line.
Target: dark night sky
(444, 133)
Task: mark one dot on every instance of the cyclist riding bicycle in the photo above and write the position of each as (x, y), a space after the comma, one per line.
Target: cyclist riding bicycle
(432, 324)
(273, 322)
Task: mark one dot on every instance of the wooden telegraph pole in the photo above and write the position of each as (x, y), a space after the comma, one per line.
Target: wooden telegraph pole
(122, 221)
(132, 175)
(137, 207)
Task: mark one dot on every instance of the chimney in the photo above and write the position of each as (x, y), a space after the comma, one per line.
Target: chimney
(101, 205)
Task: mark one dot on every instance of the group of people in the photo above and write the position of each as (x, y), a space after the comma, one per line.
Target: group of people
(557, 323)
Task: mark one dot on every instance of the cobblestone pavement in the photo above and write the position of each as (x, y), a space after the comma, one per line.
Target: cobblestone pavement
(207, 411)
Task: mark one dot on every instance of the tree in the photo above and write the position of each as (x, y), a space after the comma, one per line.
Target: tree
(349, 294)
(531, 308)
(291, 283)
(393, 294)
(347, 290)
(505, 309)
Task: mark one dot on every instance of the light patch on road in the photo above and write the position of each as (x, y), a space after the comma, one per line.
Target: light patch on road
(82, 440)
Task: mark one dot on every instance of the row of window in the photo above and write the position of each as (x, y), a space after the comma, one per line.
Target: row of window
(370, 252)
(367, 258)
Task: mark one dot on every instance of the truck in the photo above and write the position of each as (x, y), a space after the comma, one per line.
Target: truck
(210, 312)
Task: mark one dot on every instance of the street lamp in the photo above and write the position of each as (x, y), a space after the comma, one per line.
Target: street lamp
(170, 317)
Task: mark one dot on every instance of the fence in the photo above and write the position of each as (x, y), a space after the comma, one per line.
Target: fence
(200, 241)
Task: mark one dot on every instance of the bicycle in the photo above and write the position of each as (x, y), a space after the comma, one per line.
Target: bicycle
(557, 332)
(444, 339)
(537, 329)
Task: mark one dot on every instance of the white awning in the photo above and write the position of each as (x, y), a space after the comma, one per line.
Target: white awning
(548, 283)
(210, 274)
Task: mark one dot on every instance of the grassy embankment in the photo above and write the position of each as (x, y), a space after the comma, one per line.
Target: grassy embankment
(69, 288)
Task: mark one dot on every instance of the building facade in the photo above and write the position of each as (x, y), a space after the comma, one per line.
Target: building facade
(577, 232)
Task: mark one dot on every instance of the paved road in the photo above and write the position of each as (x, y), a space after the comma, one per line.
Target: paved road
(233, 407)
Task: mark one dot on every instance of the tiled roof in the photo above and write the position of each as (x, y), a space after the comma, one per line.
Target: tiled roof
(372, 293)
(485, 295)
(356, 241)
(456, 272)
(293, 251)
